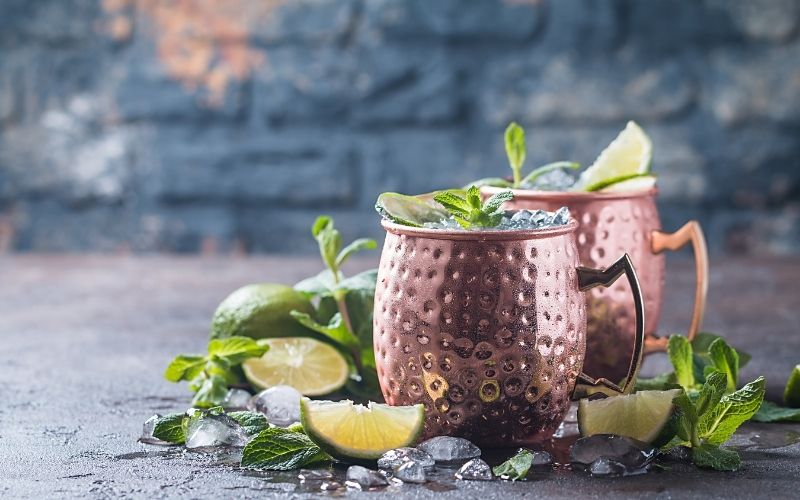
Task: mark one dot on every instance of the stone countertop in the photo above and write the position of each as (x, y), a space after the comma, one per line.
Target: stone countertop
(85, 340)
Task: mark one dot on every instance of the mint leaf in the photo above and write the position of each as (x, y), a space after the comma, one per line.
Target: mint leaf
(468, 210)
(557, 165)
(335, 330)
(236, 349)
(718, 425)
(184, 367)
(770, 412)
(515, 149)
(212, 392)
(169, 428)
(495, 202)
(490, 181)
(658, 383)
(279, 449)
(714, 457)
(253, 422)
(329, 240)
(725, 359)
(703, 340)
(711, 392)
(680, 354)
(354, 247)
(516, 467)
(454, 203)
(687, 422)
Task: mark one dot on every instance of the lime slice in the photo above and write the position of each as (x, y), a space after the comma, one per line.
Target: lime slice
(310, 366)
(643, 415)
(408, 210)
(791, 395)
(353, 432)
(628, 155)
(637, 183)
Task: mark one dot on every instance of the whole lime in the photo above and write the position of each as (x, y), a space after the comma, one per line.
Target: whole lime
(261, 311)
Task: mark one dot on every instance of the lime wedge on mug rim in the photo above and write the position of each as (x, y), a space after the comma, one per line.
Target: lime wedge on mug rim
(408, 210)
(630, 184)
(629, 154)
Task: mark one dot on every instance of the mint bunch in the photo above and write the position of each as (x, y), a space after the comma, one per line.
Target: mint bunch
(469, 211)
(343, 305)
(516, 151)
(210, 375)
(711, 410)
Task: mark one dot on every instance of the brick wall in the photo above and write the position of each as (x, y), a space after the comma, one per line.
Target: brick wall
(148, 125)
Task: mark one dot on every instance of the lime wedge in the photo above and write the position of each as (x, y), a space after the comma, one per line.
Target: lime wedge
(629, 155)
(310, 366)
(791, 395)
(643, 415)
(637, 183)
(353, 432)
(408, 210)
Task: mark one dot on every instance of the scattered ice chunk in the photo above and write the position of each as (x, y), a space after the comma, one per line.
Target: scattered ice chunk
(314, 475)
(236, 399)
(541, 457)
(395, 458)
(330, 486)
(606, 467)
(634, 456)
(363, 478)
(475, 470)
(281, 405)
(448, 449)
(410, 472)
(147, 431)
(211, 431)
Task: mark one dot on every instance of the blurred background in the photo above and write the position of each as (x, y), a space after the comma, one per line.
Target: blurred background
(206, 126)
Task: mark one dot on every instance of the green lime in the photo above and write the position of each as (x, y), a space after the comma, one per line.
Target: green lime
(354, 433)
(631, 184)
(261, 311)
(644, 415)
(791, 395)
(408, 210)
(629, 155)
(310, 366)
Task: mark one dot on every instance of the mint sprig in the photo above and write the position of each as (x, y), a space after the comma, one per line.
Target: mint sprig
(343, 305)
(516, 467)
(515, 150)
(210, 376)
(469, 211)
(281, 449)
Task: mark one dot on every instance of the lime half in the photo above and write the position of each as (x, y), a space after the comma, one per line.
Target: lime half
(629, 155)
(643, 415)
(637, 183)
(353, 432)
(408, 210)
(791, 395)
(310, 366)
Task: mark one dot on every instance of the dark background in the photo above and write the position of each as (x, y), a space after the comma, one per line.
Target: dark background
(227, 126)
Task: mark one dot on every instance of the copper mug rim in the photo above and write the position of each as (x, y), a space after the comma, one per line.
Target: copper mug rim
(478, 234)
(567, 196)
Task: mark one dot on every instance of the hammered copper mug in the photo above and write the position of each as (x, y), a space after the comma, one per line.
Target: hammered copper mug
(612, 224)
(487, 329)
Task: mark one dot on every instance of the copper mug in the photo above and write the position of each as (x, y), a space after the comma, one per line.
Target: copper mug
(487, 329)
(612, 224)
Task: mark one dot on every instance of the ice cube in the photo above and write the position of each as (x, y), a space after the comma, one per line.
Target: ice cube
(475, 470)
(236, 399)
(540, 458)
(281, 405)
(363, 478)
(522, 215)
(447, 449)
(606, 467)
(147, 431)
(410, 472)
(395, 458)
(314, 475)
(210, 431)
(555, 180)
(330, 486)
(633, 455)
(561, 217)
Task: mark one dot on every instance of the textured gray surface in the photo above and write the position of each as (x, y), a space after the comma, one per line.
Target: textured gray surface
(108, 139)
(85, 340)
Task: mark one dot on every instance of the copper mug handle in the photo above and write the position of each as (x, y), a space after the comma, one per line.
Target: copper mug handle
(660, 241)
(590, 278)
